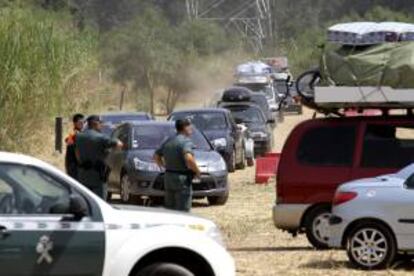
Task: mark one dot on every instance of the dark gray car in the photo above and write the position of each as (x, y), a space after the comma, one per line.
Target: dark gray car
(113, 119)
(219, 127)
(134, 173)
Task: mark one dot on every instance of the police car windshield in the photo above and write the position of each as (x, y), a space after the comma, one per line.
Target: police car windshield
(204, 120)
(247, 114)
(118, 119)
(152, 136)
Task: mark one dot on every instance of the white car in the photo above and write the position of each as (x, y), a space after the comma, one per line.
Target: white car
(51, 225)
(374, 219)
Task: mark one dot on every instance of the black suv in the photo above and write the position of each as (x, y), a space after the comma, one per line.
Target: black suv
(252, 116)
(221, 130)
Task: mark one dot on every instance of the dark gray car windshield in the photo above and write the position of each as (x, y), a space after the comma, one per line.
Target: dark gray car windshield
(152, 136)
(203, 120)
(118, 119)
(261, 101)
(247, 114)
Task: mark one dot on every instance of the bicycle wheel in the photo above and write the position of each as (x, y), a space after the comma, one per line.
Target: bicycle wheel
(306, 82)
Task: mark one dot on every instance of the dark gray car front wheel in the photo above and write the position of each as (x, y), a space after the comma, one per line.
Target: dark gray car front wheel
(218, 200)
(242, 164)
(231, 162)
(165, 269)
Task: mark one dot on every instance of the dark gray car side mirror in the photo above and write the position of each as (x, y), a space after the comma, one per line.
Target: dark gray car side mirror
(409, 182)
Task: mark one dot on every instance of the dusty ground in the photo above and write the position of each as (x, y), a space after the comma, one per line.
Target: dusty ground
(258, 248)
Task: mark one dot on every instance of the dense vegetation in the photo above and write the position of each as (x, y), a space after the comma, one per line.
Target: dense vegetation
(56, 54)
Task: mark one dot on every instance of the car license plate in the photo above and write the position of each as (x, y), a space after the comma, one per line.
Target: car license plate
(196, 181)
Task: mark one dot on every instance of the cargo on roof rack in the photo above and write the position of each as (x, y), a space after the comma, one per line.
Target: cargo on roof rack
(373, 67)
(365, 97)
(370, 33)
(236, 94)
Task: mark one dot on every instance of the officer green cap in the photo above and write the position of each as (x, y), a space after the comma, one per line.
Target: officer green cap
(93, 118)
(180, 124)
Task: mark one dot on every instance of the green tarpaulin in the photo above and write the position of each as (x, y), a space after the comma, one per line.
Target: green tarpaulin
(389, 64)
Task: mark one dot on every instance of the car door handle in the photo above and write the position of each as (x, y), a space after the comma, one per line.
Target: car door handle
(4, 232)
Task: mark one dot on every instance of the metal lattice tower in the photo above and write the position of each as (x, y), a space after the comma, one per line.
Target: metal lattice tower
(252, 18)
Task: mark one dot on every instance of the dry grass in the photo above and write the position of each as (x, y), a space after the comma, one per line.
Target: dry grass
(257, 246)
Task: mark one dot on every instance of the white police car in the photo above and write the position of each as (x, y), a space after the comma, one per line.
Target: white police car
(51, 225)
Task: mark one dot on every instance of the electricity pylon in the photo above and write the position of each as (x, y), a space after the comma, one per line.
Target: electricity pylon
(252, 18)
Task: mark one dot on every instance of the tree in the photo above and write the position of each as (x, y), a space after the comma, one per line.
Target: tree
(142, 53)
(152, 54)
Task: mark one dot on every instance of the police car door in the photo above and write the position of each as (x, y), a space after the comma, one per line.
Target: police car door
(35, 239)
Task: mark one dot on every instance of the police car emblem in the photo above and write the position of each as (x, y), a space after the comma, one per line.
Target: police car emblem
(44, 246)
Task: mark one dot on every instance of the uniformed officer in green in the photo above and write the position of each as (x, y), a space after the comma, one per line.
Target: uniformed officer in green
(177, 157)
(91, 150)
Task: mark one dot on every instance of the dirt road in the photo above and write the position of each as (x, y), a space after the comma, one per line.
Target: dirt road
(258, 248)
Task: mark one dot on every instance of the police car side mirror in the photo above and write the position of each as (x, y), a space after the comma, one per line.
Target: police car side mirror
(78, 207)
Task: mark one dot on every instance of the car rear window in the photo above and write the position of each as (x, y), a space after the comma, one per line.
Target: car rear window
(119, 119)
(247, 114)
(388, 146)
(204, 120)
(327, 146)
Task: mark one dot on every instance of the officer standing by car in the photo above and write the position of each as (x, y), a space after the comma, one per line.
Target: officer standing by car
(91, 151)
(177, 157)
(71, 164)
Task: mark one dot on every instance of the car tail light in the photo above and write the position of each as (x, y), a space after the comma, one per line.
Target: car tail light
(342, 197)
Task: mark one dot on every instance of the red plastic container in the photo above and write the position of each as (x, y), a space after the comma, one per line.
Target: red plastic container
(266, 167)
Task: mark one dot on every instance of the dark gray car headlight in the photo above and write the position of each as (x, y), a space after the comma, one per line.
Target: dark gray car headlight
(219, 143)
(146, 166)
(217, 166)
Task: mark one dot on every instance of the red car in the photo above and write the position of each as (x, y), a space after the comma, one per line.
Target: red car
(320, 154)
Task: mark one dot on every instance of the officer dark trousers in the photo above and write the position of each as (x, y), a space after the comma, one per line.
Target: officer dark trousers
(178, 191)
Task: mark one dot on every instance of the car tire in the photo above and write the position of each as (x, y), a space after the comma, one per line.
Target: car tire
(377, 243)
(231, 162)
(250, 162)
(316, 224)
(242, 164)
(108, 196)
(300, 111)
(218, 200)
(281, 116)
(156, 201)
(125, 188)
(165, 269)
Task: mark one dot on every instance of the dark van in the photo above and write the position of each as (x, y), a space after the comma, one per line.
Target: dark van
(321, 154)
